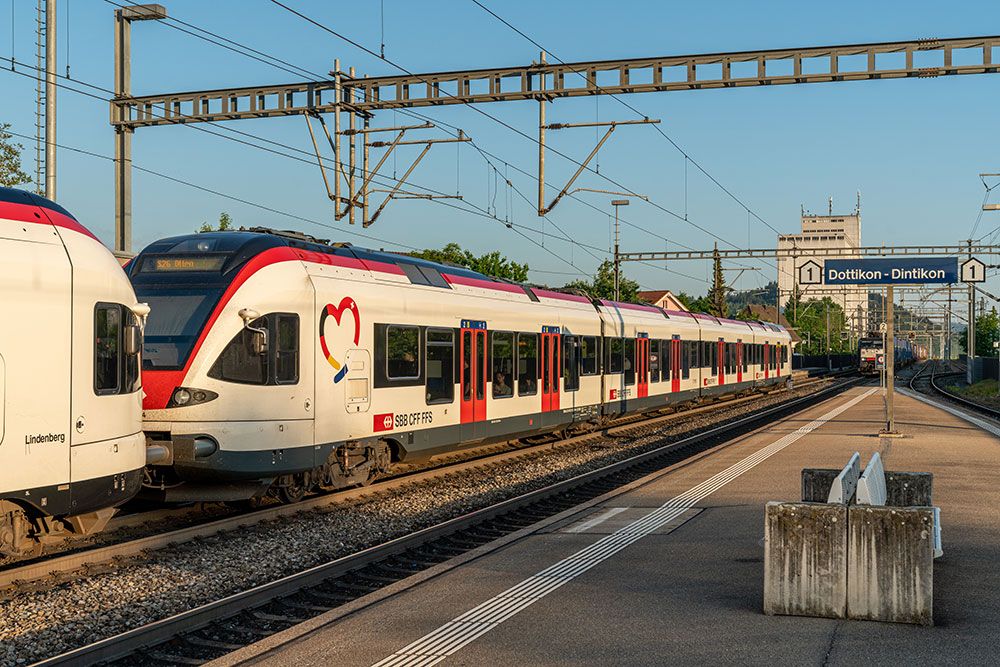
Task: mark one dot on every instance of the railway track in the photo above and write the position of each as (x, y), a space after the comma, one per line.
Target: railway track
(226, 625)
(930, 383)
(62, 567)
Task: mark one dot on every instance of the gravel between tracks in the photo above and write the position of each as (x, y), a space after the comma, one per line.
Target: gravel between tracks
(44, 623)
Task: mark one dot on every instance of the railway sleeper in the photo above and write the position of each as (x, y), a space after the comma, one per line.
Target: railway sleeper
(172, 659)
(304, 606)
(273, 618)
(211, 643)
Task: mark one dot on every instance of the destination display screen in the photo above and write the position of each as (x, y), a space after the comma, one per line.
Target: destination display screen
(178, 263)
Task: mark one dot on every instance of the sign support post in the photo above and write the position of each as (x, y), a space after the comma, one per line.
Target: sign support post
(890, 363)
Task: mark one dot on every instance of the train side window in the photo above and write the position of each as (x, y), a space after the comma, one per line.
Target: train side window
(107, 348)
(613, 356)
(588, 356)
(688, 349)
(503, 364)
(527, 364)
(286, 348)
(133, 379)
(239, 362)
(666, 356)
(402, 352)
(571, 363)
(628, 364)
(440, 360)
(654, 360)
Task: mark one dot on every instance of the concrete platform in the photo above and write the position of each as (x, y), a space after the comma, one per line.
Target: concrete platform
(684, 586)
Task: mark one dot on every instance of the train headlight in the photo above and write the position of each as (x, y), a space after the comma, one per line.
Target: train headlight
(184, 396)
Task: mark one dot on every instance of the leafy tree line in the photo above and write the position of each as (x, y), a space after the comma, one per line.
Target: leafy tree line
(11, 174)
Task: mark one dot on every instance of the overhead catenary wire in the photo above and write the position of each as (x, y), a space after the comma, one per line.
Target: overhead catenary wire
(235, 46)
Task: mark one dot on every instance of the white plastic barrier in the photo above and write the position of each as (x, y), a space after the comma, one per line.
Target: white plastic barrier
(846, 482)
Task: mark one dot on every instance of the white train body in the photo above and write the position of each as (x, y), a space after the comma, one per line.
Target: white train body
(71, 443)
(371, 354)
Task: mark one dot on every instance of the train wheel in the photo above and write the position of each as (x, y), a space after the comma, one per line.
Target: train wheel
(295, 490)
(13, 528)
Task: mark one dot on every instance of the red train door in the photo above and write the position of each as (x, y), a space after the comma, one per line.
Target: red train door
(767, 367)
(739, 361)
(642, 380)
(550, 368)
(675, 365)
(473, 371)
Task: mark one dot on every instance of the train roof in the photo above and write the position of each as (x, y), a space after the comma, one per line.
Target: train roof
(240, 246)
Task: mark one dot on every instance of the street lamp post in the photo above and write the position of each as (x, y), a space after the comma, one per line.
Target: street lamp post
(616, 203)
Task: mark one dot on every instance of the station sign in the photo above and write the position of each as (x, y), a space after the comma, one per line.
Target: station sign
(891, 271)
(880, 362)
(972, 271)
(810, 273)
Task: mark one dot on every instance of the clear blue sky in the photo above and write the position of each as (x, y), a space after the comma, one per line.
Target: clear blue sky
(914, 148)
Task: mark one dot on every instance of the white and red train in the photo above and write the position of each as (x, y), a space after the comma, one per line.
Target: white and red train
(71, 441)
(275, 362)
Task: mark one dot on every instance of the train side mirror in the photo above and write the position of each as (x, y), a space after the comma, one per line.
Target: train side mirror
(259, 341)
(133, 340)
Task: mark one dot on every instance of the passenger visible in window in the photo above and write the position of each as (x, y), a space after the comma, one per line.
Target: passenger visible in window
(500, 386)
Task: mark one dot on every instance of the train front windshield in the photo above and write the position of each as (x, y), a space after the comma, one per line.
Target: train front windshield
(176, 320)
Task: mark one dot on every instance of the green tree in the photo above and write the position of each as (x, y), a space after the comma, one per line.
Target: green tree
(490, 264)
(810, 318)
(987, 328)
(10, 160)
(603, 284)
(717, 292)
(225, 222)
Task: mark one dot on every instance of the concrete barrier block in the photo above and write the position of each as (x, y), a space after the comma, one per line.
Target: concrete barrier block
(891, 564)
(805, 560)
(909, 489)
(816, 484)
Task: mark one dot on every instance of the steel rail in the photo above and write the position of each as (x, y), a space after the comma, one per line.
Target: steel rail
(122, 645)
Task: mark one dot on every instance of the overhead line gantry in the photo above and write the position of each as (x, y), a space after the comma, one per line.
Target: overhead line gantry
(540, 81)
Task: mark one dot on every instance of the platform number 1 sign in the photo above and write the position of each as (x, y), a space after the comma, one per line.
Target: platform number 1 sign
(810, 273)
(972, 271)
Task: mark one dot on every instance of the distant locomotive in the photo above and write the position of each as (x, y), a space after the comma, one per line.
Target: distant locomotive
(869, 349)
(71, 443)
(275, 363)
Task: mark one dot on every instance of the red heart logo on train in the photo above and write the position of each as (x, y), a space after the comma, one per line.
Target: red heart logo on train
(336, 312)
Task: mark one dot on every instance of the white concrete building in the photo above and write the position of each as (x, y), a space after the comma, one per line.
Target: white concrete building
(824, 231)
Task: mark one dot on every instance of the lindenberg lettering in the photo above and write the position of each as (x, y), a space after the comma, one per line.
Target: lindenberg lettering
(44, 437)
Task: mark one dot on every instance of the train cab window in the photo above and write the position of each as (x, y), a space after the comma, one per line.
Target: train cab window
(503, 364)
(107, 347)
(439, 364)
(116, 365)
(402, 352)
(588, 355)
(286, 348)
(654, 361)
(240, 361)
(527, 364)
(571, 363)
(628, 364)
